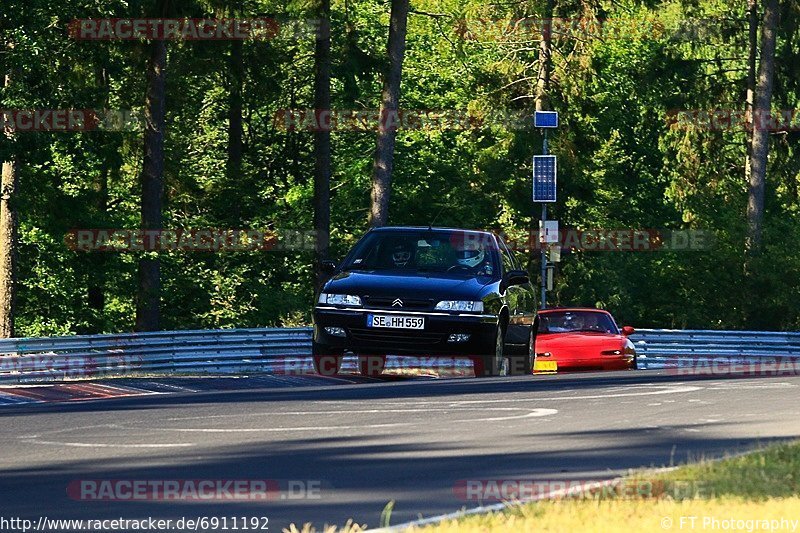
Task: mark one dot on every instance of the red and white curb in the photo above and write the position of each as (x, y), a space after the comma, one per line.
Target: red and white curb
(66, 392)
(75, 391)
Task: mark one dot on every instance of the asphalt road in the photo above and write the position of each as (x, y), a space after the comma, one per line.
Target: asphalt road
(358, 446)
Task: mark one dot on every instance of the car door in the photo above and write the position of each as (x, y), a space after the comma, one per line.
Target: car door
(518, 301)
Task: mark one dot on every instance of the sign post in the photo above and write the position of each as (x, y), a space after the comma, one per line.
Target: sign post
(544, 189)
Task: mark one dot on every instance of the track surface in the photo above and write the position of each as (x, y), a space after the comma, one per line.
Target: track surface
(369, 442)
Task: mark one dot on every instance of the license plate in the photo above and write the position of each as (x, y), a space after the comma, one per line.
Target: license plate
(545, 366)
(395, 322)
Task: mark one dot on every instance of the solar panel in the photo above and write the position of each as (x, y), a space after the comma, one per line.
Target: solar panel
(544, 178)
(545, 119)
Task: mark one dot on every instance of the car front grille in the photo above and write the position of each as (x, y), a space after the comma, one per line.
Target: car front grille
(404, 338)
(408, 304)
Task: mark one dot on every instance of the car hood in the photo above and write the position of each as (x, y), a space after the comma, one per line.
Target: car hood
(384, 284)
(548, 342)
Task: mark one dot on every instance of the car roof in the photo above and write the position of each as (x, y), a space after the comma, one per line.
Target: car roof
(429, 228)
(560, 309)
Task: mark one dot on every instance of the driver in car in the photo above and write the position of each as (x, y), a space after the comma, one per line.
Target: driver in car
(593, 323)
(474, 261)
(574, 323)
(401, 255)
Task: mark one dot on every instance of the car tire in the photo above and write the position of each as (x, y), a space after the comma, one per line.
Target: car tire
(371, 365)
(326, 362)
(494, 363)
(522, 365)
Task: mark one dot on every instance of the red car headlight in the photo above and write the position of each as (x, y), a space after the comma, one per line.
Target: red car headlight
(611, 352)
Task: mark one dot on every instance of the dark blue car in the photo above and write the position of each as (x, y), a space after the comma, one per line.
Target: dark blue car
(427, 292)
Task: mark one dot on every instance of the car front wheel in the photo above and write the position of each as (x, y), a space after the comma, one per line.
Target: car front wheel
(522, 365)
(494, 364)
(326, 362)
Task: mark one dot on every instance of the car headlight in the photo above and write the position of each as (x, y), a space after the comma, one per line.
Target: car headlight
(340, 299)
(460, 305)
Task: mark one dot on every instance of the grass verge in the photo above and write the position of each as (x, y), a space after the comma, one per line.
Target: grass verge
(754, 492)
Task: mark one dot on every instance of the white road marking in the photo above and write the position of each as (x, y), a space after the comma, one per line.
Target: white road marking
(533, 414)
(159, 384)
(102, 445)
(271, 430)
(668, 389)
(753, 386)
(350, 411)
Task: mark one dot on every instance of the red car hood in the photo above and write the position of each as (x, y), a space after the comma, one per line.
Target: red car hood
(578, 343)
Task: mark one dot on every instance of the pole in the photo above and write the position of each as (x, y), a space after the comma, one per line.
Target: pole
(542, 244)
(543, 301)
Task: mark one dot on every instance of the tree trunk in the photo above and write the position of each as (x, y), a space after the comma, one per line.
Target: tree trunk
(387, 132)
(9, 225)
(752, 18)
(96, 295)
(545, 55)
(752, 60)
(322, 142)
(152, 180)
(760, 142)
(235, 129)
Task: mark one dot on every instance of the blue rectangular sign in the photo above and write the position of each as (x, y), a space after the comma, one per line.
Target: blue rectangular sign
(545, 119)
(544, 178)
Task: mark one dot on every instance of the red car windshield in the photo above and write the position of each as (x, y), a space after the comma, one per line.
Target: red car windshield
(567, 321)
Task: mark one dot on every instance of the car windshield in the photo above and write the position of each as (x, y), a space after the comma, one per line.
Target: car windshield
(452, 252)
(566, 321)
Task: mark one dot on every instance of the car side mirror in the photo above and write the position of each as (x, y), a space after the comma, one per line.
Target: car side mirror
(327, 266)
(513, 277)
(516, 277)
(628, 330)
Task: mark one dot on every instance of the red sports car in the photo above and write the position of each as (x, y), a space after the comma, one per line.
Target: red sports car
(582, 339)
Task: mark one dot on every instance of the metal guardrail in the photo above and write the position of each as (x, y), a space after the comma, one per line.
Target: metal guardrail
(658, 348)
(164, 352)
(287, 349)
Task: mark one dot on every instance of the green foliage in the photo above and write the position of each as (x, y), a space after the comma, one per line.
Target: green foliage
(623, 165)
